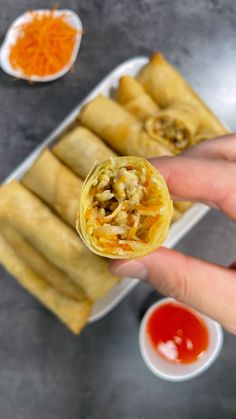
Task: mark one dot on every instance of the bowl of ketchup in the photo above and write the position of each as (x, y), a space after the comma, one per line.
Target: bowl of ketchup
(176, 342)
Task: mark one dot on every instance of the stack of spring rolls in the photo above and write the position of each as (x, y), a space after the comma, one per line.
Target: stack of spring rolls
(38, 242)
(155, 114)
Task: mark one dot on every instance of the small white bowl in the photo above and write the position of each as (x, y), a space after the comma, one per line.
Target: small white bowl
(13, 32)
(179, 372)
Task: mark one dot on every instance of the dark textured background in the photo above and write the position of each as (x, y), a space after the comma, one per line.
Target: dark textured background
(45, 372)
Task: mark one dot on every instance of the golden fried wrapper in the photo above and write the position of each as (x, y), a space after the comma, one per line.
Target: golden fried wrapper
(119, 128)
(72, 311)
(132, 95)
(55, 240)
(203, 135)
(167, 86)
(57, 185)
(80, 148)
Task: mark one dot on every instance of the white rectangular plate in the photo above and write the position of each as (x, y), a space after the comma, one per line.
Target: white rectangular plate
(177, 230)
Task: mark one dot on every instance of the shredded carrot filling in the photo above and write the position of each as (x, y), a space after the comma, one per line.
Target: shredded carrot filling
(44, 45)
(125, 205)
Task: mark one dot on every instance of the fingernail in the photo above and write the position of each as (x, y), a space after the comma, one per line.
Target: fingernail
(132, 269)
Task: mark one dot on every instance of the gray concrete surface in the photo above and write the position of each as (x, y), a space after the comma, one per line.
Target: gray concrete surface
(44, 371)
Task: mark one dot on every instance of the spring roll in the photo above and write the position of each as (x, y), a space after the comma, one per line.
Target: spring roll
(174, 126)
(56, 277)
(80, 148)
(135, 99)
(176, 215)
(125, 208)
(55, 184)
(166, 86)
(56, 241)
(182, 205)
(74, 313)
(203, 136)
(119, 128)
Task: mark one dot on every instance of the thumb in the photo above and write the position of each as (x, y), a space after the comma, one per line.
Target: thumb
(206, 287)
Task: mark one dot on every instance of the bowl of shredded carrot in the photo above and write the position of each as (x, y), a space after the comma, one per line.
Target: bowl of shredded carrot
(41, 45)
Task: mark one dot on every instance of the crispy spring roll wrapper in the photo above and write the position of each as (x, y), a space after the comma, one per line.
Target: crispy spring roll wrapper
(125, 208)
(55, 184)
(203, 136)
(56, 241)
(176, 215)
(182, 205)
(132, 95)
(74, 313)
(119, 128)
(174, 126)
(80, 148)
(56, 277)
(167, 86)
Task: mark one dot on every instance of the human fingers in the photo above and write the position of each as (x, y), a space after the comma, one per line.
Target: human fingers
(201, 180)
(217, 148)
(209, 288)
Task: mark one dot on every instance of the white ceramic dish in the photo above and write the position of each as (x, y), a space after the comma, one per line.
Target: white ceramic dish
(12, 35)
(179, 372)
(177, 230)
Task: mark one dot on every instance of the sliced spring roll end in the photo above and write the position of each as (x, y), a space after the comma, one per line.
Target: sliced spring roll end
(172, 134)
(166, 86)
(125, 208)
(174, 127)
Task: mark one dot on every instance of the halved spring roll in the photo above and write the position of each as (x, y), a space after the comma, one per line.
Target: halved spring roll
(55, 184)
(56, 277)
(119, 128)
(80, 148)
(56, 241)
(179, 124)
(174, 126)
(74, 313)
(125, 208)
(135, 99)
(166, 86)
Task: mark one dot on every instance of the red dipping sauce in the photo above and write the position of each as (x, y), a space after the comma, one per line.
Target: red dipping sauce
(177, 334)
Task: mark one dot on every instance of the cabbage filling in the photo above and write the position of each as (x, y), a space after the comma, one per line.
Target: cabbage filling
(125, 206)
(173, 130)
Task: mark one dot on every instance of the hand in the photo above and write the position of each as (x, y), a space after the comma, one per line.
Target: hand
(205, 173)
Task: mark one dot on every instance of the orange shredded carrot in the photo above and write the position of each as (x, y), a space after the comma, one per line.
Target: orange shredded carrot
(147, 208)
(110, 245)
(44, 45)
(110, 248)
(125, 247)
(150, 221)
(88, 214)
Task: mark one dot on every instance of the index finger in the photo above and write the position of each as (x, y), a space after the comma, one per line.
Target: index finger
(217, 148)
(201, 180)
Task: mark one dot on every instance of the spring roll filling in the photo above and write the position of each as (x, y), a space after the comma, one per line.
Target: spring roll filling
(173, 130)
(124, 206)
